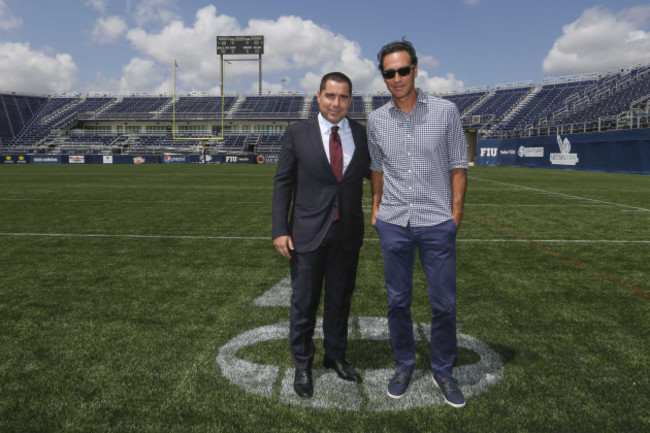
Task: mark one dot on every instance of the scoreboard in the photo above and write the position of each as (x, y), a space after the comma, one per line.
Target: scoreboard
(240, 45)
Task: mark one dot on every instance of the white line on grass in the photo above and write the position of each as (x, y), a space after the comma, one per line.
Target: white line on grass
(101, 235)
(127, 201)
(559, 194)
(535, 205)
(268, 238)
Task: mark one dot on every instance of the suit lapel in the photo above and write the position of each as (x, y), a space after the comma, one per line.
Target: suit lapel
(315, 140)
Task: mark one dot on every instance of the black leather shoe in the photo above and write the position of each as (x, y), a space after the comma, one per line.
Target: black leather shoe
(343, 369)
(303, 383)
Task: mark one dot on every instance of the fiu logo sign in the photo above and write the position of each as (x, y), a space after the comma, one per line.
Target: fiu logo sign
(489, 151)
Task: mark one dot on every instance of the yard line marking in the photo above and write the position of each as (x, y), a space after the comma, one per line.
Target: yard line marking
(563, 241)
(127, 201)
(559, 254)
(559, 194)
(366, 208)
(268, 238)
(100, 235)
(536, 205)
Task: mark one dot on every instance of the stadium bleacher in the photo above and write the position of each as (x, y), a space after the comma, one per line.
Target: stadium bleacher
(199, 106)
(32, 123)
(272, 106)
(546, 100)
(494, 107)
(16, 111)
(357, 108)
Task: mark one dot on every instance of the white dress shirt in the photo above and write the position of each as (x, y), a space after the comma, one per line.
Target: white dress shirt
(345, 132)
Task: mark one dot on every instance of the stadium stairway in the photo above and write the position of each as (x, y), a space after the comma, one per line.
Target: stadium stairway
(235, 106)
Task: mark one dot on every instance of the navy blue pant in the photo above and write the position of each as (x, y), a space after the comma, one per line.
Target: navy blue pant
(335, 269)
(436, 246)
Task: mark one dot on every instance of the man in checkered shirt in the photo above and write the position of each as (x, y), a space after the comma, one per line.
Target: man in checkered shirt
(418, 179)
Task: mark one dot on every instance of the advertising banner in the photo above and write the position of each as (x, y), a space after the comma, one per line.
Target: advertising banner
(15, 159)
(241, 159)
(140, 159)
(46, 159)
(614, 151)
(177, 159)
(136, 159)
(268, 159)
(76, 159)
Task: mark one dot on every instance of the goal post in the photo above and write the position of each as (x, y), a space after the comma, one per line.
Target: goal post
(223, 105)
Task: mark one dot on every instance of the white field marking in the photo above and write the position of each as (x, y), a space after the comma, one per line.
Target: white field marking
(366, 208)
(268, 238)
(562, 241)
(331, 392)
(126, 201)
(558, 194)
(536, 205)
(91, 235)
(277, 296)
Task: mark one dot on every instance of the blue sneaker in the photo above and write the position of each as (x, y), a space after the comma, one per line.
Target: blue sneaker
(398, 384)
(450, 391)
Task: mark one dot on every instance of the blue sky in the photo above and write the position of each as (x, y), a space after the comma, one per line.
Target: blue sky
(127, 46)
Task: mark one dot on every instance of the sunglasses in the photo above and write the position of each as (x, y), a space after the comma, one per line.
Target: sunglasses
(403, 72)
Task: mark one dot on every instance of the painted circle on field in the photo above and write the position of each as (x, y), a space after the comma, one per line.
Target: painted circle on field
(331, 392)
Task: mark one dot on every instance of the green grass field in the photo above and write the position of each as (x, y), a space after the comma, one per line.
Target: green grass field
(119, 286)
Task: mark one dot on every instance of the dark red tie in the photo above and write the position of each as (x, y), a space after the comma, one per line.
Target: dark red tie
(336, 157)
(336, 153)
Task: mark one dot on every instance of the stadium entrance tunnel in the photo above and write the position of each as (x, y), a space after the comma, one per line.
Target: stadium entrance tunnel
(330, 392)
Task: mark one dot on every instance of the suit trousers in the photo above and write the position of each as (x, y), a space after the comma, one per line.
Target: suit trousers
(333, 268)
(436, 246)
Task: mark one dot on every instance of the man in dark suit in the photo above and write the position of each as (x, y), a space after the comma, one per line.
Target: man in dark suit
(318, 225)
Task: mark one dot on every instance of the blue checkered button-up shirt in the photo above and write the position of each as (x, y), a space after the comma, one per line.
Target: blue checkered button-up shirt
(415, 152)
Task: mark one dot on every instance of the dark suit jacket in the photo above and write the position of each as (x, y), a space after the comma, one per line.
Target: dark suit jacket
(306, 193)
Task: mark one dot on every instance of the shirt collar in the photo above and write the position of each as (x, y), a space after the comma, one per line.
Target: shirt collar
(422, 99)
(326, 125)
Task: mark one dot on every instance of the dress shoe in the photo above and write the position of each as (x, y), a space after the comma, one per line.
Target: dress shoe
(343, 369)
(303, 383)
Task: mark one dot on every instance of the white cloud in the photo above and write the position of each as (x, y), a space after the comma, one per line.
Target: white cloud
(25, 70)
(444, 84)
(154, 11)
(471, 2)
(295, 44)
(600, 41)
(140, 74)
(294, 48)
(99, 5)
(430, 61)
(193, 47)
(7, 20)
(109, 29)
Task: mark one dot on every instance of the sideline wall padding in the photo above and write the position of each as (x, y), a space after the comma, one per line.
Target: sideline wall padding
(613, 151)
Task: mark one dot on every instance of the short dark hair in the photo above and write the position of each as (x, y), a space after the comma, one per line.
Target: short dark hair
(338, 77)
(394, 47)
